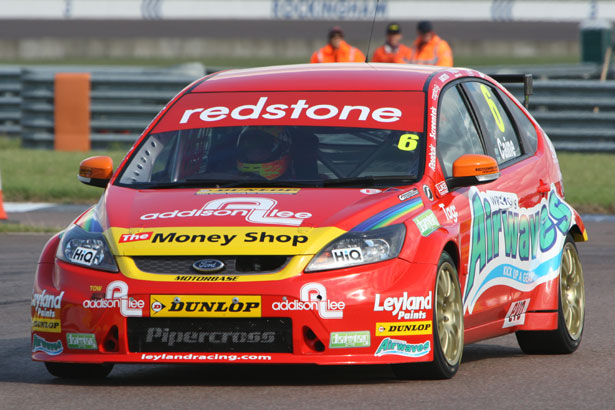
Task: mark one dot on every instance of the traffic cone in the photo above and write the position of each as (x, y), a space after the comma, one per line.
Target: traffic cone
(2, 213)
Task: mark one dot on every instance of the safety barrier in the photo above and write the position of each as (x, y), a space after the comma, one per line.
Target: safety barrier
(578, 115)
(122, 100)
(10, 101)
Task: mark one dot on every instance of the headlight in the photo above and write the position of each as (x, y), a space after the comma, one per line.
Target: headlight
(360, 248)
(87, 249)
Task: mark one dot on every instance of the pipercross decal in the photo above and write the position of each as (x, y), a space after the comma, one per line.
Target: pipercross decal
(254, 210)
(511, 246)
(313, 296)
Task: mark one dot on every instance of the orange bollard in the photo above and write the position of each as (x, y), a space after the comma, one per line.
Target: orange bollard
(2, 213)
(72, 111)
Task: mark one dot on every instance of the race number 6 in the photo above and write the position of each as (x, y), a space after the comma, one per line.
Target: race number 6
(408, 142)
(494, 108)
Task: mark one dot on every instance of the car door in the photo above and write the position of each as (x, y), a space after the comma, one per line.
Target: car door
(505, 210)
(458, 134)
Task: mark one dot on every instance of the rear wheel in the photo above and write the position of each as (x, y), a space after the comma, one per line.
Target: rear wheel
(570, 311)
(78, 370)
(448, 328)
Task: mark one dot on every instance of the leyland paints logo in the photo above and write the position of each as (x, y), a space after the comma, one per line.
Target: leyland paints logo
(254, 210)
(512, 246)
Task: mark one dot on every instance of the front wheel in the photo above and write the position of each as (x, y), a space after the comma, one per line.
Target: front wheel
(78, 370)
(570, 311)
(448, 328)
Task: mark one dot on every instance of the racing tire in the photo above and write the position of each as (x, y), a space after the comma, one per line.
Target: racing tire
(79, 370)
(570, 310)
(447, 330)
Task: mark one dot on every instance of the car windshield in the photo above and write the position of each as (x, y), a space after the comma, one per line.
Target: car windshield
(275, 155)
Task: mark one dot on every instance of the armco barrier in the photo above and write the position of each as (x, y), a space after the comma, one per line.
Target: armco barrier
(10, 101)
(578, 115)
(122, 100)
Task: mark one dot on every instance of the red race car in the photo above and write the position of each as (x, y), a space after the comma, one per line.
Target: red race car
(327, 214)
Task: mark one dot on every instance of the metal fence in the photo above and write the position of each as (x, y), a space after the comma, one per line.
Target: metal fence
(578, 115)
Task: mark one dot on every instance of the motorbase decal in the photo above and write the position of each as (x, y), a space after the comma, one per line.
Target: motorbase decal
(512, 246)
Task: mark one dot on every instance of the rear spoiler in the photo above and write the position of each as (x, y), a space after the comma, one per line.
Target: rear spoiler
(526, 79)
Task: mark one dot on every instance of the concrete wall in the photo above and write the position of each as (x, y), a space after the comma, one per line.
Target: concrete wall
(57, 39)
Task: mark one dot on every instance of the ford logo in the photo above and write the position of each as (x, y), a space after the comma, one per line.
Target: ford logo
(208, 265)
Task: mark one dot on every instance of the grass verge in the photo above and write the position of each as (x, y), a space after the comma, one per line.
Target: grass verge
(8, 227)
(50, 176)
(45, 175)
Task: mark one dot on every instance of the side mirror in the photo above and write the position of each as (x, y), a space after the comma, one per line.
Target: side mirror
(473, 169)
(96, 171)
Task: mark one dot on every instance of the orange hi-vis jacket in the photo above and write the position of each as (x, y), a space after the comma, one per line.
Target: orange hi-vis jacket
(344, 54)
(386, 54)
(435, 52)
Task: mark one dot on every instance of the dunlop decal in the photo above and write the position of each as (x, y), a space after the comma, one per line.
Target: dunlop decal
(205, 306)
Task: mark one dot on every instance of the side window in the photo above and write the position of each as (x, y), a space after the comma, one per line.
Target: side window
(527, 132)
(500, 133)
(457, 133)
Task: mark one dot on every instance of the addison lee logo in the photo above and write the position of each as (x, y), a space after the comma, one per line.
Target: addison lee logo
(314, 297)
(254, 210)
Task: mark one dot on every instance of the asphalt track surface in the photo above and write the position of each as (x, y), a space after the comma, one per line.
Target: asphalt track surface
(494, 374)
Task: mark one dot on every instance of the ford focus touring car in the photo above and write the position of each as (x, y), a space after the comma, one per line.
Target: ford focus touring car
(321, 214)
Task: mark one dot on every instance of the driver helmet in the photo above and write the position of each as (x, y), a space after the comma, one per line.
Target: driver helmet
(263, 151)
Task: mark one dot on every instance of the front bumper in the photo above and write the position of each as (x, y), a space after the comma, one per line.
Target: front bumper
(372, 314)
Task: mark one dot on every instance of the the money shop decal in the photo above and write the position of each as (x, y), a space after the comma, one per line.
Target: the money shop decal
(513, 246)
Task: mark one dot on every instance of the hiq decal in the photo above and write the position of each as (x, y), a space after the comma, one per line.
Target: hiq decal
(513, 246)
